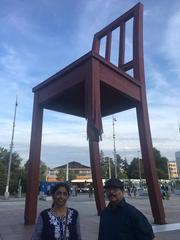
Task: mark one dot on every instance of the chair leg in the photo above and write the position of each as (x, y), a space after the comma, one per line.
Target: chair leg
(96, 175)
(34, 165)
(149, 164)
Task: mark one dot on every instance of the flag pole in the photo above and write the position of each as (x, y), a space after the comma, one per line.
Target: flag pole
(114, 146)
(6, 194)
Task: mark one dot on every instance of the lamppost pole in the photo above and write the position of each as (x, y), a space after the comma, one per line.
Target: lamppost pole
(67, 172)
(139, 164)
(169, 172)
(6, 194)
(109, 163)
(114, 146)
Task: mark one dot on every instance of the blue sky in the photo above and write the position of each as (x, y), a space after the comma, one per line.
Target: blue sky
(38, 38)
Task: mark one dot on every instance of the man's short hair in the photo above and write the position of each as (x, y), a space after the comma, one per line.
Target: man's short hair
(114, 183)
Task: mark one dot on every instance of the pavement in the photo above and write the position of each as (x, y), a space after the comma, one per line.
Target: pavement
(12, 217)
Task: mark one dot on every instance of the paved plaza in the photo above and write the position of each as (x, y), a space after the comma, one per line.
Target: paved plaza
(12, 217)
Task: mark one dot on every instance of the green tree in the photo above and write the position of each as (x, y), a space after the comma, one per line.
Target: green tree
(15, 170)
(106, 166)
(133, 170)
(61, 175)
(126, 167)
(122, 167)
(24, 174)
(43, 171)
(23, 178)
(3, 177)
(161, 164)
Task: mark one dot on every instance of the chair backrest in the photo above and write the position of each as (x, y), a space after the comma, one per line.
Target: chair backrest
(135, 66)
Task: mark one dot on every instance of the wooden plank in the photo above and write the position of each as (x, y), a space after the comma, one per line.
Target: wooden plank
(34, 164)
(108, 46)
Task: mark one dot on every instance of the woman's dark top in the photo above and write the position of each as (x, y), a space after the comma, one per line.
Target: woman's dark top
(51, 227)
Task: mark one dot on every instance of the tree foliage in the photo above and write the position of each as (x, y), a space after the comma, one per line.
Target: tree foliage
(18, 173)
(133, 170)
(161, 166)
(122, 167)
(15, 172)
(42, 173)
(108, 165)
(61, 175)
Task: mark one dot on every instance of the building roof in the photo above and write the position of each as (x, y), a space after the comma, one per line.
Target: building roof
(73, 164)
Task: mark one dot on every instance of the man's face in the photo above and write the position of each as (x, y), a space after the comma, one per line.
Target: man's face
(115, 195)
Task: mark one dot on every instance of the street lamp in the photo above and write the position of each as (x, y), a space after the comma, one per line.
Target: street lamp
(6, 194)
(114, 146)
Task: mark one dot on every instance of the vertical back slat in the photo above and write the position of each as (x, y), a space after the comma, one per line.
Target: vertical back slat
(108, 46)
(136, 13)
(121, 44)
(138, 55)
(96, 45)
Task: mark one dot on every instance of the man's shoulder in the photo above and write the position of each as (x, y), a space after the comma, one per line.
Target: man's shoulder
(131, 209)
(128, 205)
(105, 210)
(135, 213)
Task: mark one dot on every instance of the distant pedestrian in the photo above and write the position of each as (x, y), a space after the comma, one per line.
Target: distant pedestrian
(120, 220)
(163, 193)
(134, 190)
(58, 222)
(90, 191)
(74, 191)
(129, 191)
(167, 195)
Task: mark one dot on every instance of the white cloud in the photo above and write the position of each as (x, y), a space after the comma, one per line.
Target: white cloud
(171, 47)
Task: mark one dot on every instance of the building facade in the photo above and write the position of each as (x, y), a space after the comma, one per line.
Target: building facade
(173, 172)
(177, 156)
(75, 169)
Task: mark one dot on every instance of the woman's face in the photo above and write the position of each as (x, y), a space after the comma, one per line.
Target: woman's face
(60, 197)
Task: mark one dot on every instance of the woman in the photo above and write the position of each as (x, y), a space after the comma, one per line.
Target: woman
(58, 222)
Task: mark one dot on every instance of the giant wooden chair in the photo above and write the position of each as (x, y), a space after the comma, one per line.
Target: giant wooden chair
(92, 87)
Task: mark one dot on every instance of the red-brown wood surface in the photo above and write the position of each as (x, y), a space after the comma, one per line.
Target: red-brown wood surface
(92, 87)
(34, 164)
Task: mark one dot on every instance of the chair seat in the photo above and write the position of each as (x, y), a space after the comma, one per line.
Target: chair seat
(65, 91)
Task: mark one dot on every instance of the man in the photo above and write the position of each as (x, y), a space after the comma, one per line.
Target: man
(120, 220)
